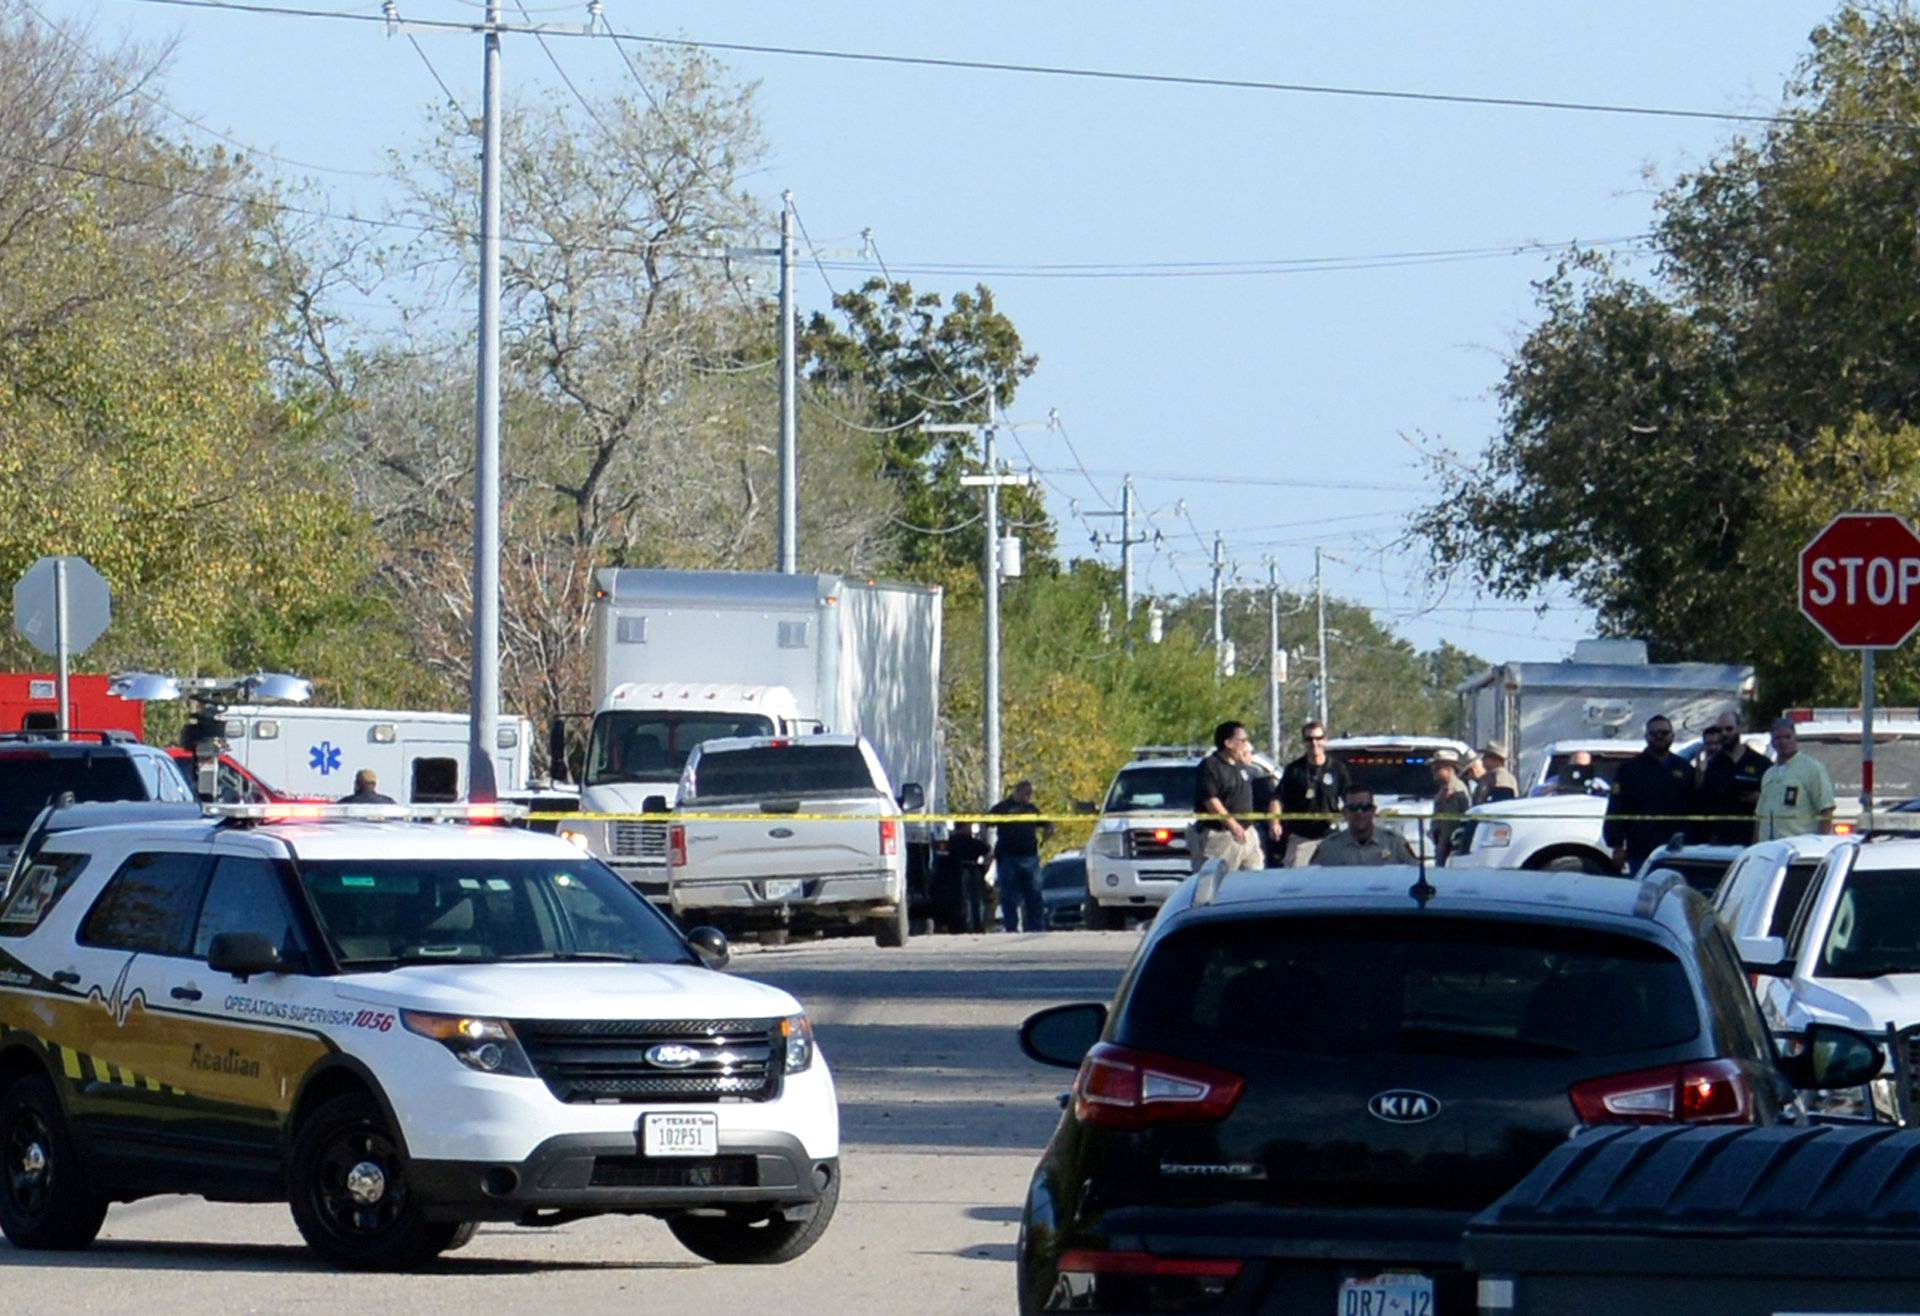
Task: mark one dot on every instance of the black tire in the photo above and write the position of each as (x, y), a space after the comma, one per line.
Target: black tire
(45, 1203)
(1571, 863)
(893, 930)
(346, 1133)
(770, 1241)
(1098, 920)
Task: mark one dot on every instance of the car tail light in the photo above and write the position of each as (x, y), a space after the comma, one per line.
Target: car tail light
(1140, 1281)
(1145, 1263)
(1120, 1088)
(676, 846)
(889, 836)
(1704, 1092)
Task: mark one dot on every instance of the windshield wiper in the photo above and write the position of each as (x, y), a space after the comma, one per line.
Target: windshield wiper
(606, 956)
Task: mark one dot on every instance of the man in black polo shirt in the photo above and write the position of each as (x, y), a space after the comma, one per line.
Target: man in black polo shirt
(1312, 783)
(1728, 776)
(1222, 796)
(1651, 791)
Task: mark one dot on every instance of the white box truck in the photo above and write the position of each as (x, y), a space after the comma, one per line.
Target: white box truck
(419, 757)
(1605, 691)
(682, 657)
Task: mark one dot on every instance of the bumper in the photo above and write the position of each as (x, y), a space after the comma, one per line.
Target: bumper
(605, 1174)
(650, 880)
(836, 898)
(1135, 883)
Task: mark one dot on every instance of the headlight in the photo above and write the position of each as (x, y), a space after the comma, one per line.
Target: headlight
(1492, 835)
(799, 1035)
(1109, 845)
(575, 838)
(486, 1045)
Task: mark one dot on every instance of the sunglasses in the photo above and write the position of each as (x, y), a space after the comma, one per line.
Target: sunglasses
(1311, 739)
(1360, 808)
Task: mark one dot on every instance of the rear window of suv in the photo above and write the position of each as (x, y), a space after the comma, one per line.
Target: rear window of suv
(1408, 986)
(28, 781)
(785, 770)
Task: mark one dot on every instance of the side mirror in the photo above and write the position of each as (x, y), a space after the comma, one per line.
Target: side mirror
(1765, 956)
(710, 944)
(1064, 1034)
(912, 797)
(243, 954)
(654, 804)
(1829, 1056)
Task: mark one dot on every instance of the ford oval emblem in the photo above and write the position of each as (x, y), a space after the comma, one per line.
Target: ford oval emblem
(780, 833)
(1403, 1106)
(672, 1055)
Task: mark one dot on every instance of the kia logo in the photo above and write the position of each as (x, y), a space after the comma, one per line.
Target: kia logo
(672, 1055)
(1403, 1106)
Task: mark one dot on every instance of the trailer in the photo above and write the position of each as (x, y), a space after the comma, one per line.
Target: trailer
(1605, 691)
(681, 657)
(419, 757)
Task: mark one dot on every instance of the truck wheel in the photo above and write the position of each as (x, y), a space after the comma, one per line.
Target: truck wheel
(1097, 920)
(735, 1240)
(347, 1185)
(45, 1203)
(893, 929)
(1573, 863)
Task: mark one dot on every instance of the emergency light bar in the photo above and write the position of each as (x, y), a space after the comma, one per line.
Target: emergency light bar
(295, 811)
(1849, 714)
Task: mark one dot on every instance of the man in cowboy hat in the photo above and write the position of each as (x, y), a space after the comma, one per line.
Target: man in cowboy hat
(1450, 801)
(1495, 783)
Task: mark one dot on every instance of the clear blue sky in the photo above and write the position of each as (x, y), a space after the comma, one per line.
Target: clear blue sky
(1305, 381)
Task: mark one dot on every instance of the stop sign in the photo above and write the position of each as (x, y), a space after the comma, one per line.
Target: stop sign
(1860, 580)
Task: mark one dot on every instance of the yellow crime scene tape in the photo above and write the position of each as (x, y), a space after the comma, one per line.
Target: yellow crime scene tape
(1033, 819)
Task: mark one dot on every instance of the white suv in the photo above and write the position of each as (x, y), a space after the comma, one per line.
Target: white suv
(399, 1027)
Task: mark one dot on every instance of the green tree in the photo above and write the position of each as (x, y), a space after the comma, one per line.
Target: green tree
(1653, 434)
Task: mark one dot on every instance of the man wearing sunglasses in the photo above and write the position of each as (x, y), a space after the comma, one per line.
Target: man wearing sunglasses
(1652, 791)
(1359, 844)
(1312, 783)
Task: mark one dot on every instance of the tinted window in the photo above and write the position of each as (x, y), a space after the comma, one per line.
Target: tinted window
(29, 781)
(168, 784)
(1064, 875)
(435, 781)
(751, 774)
(148, 905)
(37, 890)
(1138, 790)
(1426, 986)
(654, 746)
(1793, 890)
(247, 895)
(1876, 926)
(1390, 771)
(384, 911)
(1703, 875)
(1742, 1031)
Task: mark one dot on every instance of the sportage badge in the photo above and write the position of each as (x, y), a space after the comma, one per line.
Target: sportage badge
(672, 1055)
(1403, 1106)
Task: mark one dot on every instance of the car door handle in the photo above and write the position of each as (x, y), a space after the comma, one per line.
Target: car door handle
(66, 977)
(186, 993)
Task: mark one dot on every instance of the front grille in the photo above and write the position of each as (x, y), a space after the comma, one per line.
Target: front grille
(1150, 843)
(640, 840)
(588, 1060)
(675, 1172)
(1903, 1047)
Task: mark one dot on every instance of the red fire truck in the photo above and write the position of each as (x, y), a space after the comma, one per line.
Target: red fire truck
(27, 704)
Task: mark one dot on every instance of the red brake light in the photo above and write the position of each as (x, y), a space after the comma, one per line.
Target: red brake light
(676, 846)
(889, 836)
(483, 813)
(1843, 829)
(1799, 715)
(1120, 1088)
(1704, 1092)
(1145, 1263)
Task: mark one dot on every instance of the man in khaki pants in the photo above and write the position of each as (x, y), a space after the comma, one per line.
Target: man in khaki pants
(1223, 794)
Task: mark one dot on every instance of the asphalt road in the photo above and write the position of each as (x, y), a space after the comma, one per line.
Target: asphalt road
(942, 1119)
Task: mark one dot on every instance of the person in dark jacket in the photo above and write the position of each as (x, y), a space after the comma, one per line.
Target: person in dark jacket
(366, 789)
(1312, 783)
(1652, 783)
(1728, 780)
(1016, 861)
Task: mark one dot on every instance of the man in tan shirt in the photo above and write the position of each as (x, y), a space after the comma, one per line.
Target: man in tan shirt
(1359, 844)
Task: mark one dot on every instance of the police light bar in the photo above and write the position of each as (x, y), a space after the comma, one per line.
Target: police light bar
(298, 811)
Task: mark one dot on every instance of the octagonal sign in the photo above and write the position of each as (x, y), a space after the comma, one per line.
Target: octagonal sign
(1860, 580)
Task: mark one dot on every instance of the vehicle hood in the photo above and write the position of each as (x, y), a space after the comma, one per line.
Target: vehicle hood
(626, 796)
(1547, 806)
(1867, 1003)
(567, 991)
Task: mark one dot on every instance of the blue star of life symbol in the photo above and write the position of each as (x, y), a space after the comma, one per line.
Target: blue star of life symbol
(325, 756)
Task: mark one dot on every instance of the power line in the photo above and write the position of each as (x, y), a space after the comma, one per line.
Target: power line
(452, 99)
(1286, 482)
(1107, 75)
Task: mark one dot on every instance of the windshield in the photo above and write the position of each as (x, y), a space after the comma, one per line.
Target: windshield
(1896, 764)
(382, 912)
(1601, 770)
(783, 771)
(29, 781)
(1876, 926)
(1393, 986)
(1152, 790)
(635, 746)
(1389, 771)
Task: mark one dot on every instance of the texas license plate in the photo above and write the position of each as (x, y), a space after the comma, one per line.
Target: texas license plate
(680, 1135)
(782, 890)
(1386, 1295)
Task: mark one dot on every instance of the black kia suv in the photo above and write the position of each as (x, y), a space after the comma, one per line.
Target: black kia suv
(1310, 1079)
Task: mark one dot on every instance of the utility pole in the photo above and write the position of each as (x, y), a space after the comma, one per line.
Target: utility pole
(1320, 606)
(483, 707)
(1126, 540)
(1275, 672)
(1219, 600)
(789, 385)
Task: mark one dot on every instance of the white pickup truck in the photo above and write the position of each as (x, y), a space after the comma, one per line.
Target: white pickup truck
(798, 832)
